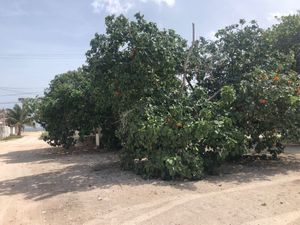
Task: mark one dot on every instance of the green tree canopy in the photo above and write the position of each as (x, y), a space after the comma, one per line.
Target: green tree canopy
(285, 37)
(67, 106)
(241, 94)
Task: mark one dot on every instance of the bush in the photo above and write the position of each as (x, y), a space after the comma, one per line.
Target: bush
(179, 139)
(267, 109)
(67, 107)
(44, 136)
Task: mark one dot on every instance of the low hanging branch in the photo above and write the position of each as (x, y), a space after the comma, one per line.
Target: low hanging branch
(214, 95)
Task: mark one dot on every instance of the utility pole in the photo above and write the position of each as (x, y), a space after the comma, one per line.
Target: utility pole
(184, 80)
(193, 25)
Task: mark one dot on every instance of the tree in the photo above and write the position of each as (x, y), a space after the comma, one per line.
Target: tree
(241, 94)
(285, 37)
(266, 87)
(133, 61)
(20, 116)
(238, 50)
(67, 106)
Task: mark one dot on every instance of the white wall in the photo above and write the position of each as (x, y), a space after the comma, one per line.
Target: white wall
(4, 131)
(13, 131)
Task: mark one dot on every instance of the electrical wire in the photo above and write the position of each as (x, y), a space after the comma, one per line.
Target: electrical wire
(9, 92)
(18, 88)
(5, 103)
(42, 56)
(24, 93)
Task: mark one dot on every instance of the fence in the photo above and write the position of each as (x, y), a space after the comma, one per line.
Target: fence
(6, 131)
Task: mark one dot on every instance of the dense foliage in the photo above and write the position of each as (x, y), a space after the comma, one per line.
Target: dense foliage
(285, 37)
(132, 61)
(181, 137)
(174, 111)
(67, 106)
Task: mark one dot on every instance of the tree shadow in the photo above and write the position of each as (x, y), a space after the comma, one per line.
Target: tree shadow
(257, 170)
(51, 154)
(76, 178)
(94, 170)
(82, 171)
(239, 173)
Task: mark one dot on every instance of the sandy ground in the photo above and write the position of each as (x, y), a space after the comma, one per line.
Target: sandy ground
(42, 185)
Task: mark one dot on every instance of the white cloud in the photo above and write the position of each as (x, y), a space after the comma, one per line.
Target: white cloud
(122, 6)
(169, 3)
(112, 6)
(272, 17)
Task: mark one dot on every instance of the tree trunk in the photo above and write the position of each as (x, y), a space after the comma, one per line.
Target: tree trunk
(19, 127)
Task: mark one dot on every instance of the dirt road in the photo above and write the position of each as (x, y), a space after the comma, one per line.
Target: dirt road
(40, 185)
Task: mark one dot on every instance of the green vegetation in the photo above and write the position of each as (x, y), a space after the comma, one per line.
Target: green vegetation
(67, 106)
(22, 115)
(176, 111)
(11, 137)
(44, 136)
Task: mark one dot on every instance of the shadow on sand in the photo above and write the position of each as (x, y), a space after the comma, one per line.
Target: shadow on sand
(90, 170)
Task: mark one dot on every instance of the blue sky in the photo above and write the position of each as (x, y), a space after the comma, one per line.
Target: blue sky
(42, 38)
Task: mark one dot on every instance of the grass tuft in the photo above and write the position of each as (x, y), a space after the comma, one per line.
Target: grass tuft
(12, 137)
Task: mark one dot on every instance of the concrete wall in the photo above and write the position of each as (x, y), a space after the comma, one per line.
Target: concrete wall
(13, 131)
(6, 131)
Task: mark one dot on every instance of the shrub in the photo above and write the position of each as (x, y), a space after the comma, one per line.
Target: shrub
(267, 109)
(44, 136)
(67, 106)
(180, 139)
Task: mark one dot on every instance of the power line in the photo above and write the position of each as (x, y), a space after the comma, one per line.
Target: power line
(19, 89)
(24, 93)
(6, 87)
(5, 103)
(43, 56)
(45, 59)
(16, 91)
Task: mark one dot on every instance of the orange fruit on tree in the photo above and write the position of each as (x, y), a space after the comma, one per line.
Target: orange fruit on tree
(276, 78)
(178, 125)
(263, 101)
